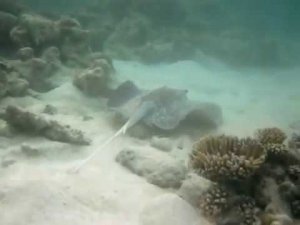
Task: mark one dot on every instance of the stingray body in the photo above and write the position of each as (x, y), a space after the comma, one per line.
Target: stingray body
(163, 107)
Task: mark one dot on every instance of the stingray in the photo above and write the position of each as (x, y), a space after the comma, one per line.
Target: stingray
(163, 107)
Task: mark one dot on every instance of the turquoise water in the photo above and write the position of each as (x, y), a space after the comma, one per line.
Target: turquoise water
(202, 67)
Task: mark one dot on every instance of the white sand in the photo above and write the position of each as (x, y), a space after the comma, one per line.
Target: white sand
(41, 192)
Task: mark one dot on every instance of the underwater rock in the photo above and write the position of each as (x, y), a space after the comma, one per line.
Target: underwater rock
(131, 32)
(268, 218)
(164, 144)
(25, 53)
(123, 93)
(37, 72)
(158, 168)
(31, 123)
(52, 56)
(71, 42)
(204, 116)
(30, 151)
(163, 12)
(10, 83)
(20, 36)
(11, 6)
(226, 157)
(42, 30)
(50, 109)
(75, 40)
(3, 82)
(193, 188)
(7, 22)
(5, 129)
(169, 209)
(17, 87)
(93, 82)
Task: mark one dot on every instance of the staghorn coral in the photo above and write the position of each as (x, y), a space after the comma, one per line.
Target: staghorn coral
(226, 157)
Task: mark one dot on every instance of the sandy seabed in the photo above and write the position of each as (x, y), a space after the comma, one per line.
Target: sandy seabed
(40, 191)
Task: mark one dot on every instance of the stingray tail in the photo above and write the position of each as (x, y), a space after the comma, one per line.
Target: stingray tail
(122, 130)
(136, 117)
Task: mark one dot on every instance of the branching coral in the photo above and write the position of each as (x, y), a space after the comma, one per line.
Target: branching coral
(270, 135)
(226, 157)
(272, 139)
(213, 201)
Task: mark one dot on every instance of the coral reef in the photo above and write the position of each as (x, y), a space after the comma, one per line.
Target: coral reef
(31, 123)
(213, 201)
(226, 157)
(267, 194)
(272, 139)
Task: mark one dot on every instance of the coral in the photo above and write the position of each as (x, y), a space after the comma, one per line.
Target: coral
(213, 201)
(294, 142)
(270, 135)
(37, 125)
(226, 157)
(295, 208)
(247, 209)
(272, 140)
(241, 210)
(294, 173)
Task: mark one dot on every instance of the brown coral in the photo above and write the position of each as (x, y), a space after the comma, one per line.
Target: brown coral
(226, 157)
(272, 135)
(272, 140)
(213, 201)
(247, 210)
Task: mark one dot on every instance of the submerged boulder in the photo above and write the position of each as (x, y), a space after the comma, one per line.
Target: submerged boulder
(157, 167)
(34, 124)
